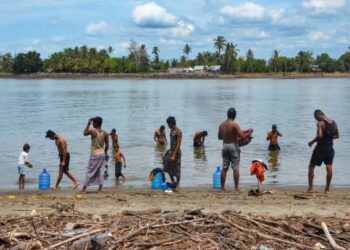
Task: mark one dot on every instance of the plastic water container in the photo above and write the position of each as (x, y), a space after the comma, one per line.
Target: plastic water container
(157, 182)
(217, 178)
(44, 180)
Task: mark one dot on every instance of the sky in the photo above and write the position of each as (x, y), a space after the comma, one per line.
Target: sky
(289, 26)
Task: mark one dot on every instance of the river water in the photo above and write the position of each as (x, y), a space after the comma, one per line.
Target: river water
(137, 107)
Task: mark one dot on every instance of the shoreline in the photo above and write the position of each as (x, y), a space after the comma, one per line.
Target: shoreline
(178, 76)
(278, 202)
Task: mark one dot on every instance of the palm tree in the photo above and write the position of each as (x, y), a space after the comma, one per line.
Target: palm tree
(275, 58)
(187, 49)
(304, 60)
(219, 43)
(250, 58)
(155, 52)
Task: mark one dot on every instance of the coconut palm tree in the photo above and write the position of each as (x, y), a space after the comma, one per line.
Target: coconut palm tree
(250, 58)
(155, 52)
(304, 60)
(110, 50)
(275, 59)
(219, 43)
(187, 49)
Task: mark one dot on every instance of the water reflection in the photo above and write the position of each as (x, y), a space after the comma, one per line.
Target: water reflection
(159, 151)
(200, 157)
(273, 160)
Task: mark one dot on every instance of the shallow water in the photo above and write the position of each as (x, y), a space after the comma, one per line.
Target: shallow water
(137, 107)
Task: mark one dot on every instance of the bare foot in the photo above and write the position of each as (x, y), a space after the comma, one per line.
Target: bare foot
(237, 191)
(54, 187)
(326, 191)
(310, 191)
(223, 190)
(99, 191)
(123, 178)
(76, 185)
(83, 191)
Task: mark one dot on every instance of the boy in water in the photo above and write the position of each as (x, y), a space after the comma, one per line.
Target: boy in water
(199, 137)
(22, 163)
(119, 162)
(273, 136)
(159, 136)
(115, 139)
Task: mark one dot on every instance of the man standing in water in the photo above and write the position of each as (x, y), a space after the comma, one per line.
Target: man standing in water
(99, 149)
(159, 136)
(172, 158)
(273, 137)
(327, 130)
(64, 155)
(199, 137)
(232, 136)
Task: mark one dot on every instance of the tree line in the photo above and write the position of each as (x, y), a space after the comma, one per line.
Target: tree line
(91, 60)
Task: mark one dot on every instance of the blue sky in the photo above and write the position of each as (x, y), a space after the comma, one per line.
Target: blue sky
(286, 25)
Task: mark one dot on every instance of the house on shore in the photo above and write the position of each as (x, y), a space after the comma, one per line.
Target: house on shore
(176, 70)
(214, 68)
(199, 68)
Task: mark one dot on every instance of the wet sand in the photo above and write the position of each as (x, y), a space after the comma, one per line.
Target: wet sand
(281, 202)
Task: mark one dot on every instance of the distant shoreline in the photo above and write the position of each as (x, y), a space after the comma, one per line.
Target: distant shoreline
(172, 76)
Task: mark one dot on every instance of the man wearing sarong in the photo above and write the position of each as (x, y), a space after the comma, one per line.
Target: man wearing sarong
(327, 131)
(99, 147)
(233, 137)
(172, 158)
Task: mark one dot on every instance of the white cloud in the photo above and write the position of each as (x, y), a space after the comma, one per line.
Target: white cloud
(253, 33)
(183, 29)
(170, 41)
(34, 42)
(276, 15)
(59, 38)
(98, 28)
(317, 36)
(246, 11)
(152, 15)
(324, 6)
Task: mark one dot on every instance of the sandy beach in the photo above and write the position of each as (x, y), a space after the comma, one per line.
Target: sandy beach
(281, 202)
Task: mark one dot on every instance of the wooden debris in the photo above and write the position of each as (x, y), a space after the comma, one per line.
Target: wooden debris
(155, 229)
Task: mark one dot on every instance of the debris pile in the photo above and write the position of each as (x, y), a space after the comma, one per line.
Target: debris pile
(190, 229)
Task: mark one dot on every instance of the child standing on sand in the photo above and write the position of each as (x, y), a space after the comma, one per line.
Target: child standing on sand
(22, 163)
(119, 162)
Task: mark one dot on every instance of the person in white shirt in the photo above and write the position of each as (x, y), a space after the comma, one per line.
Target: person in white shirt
(22, 163)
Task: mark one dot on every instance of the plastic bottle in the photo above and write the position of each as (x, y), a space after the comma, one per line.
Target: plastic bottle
(217, 178)
(44, 180)
(157, 182)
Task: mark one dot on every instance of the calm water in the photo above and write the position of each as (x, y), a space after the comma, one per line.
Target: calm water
(137, 107)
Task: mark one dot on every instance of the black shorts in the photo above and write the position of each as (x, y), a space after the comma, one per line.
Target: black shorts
(274, 147)
(322, 155)
(66, 167)
(197, 144)
(118, 170)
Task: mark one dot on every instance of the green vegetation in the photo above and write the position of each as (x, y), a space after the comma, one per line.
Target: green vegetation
(91, 60)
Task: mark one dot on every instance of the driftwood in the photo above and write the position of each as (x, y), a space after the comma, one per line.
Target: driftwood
(191, 229)
(330, 239)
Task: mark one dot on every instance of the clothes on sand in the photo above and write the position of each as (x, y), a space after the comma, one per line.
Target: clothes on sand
(274, 147)
(66, 166)
(231, 156)
(173, 168)
(95, 171)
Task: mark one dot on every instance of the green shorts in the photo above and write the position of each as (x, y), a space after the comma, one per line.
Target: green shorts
(231, 156)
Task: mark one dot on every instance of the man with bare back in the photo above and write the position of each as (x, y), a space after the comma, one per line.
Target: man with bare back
(233, 137)
(64, 156)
